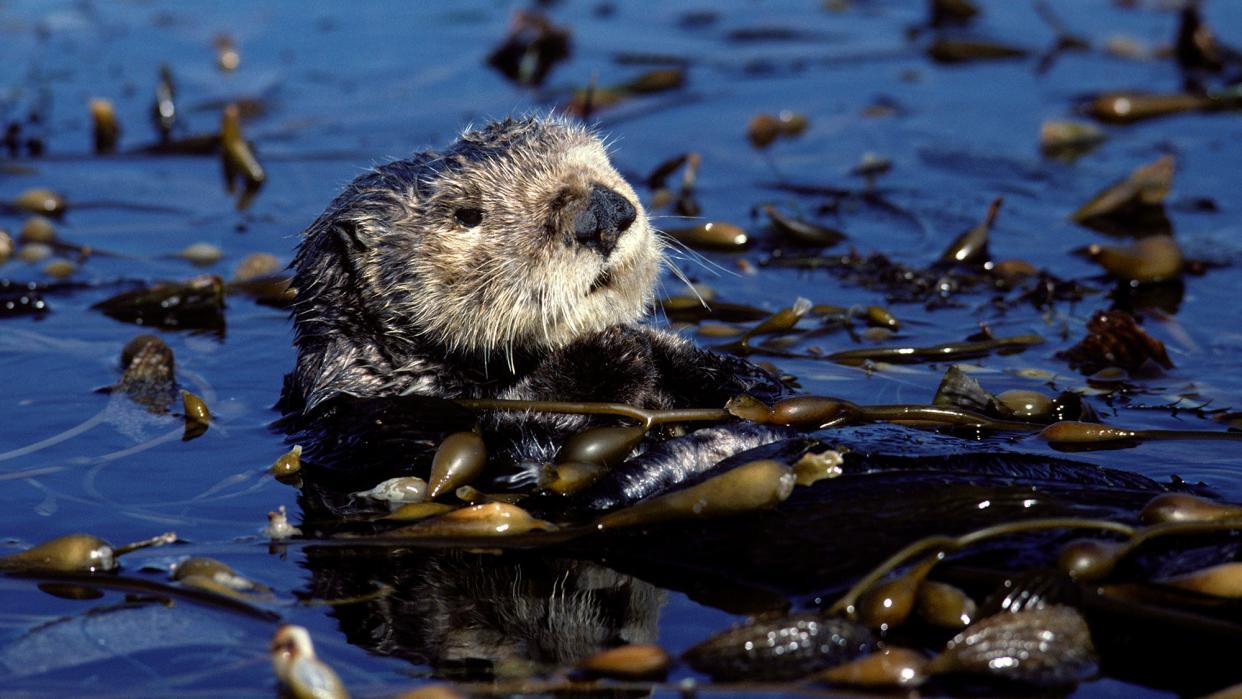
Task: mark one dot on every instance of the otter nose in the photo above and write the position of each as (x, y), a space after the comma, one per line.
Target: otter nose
(607, 215)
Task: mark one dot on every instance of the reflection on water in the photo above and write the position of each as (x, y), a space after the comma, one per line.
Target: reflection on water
(482, 615)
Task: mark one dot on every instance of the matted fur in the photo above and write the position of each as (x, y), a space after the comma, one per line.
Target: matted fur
(388, 278)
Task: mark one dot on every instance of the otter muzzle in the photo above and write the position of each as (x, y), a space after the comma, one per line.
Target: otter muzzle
(607, 215)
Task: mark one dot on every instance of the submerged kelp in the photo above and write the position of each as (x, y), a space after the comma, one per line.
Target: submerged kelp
(847, 161)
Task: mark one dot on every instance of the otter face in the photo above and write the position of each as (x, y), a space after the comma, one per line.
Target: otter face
(520, 236)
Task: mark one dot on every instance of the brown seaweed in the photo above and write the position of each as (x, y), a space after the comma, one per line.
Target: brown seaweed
(197, 304)
(782, 648)
(1114, 339)
(532, 49)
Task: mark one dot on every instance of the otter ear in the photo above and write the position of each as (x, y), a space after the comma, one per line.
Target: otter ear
(349, 235)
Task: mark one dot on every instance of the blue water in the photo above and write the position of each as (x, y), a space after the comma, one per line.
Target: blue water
(350, 86)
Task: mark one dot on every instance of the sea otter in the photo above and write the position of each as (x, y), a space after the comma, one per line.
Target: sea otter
(518, 264)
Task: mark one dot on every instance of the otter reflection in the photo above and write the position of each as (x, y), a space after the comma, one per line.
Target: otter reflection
(481, 615)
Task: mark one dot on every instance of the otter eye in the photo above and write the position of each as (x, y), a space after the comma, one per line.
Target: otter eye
(469, 217)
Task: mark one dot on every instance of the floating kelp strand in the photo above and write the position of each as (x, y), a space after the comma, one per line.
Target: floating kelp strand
(1047, 647)
(630, 662)
(201, 254)
(765, 128)
(888, 603)
(931, 416)
(492, 519)
(76, 553)
(942, 12)
(1031, 589)
(239, 161)
(40, 240)
(646, 417)
(20, 302)
(1068, 139)
(713, 235)
(870, 166)
(1085, 434)
(196, 304)
(148, 373)
(747, 407)
(659, 174)
(458, 460)
(1026, 404)
(255, 266)
(602, 446)
(1223, 580)
(1115, 339)
(693, 309)
(73, 552)
(1149, 259)
(448, 691)
(719, 330)
(106, 129)
(1071, 432)
(958, 389)
(60, 268)
(949, 351)
(278, 527)
(194, 571)
(813, 467)
(37, 229)
(302, 674)
(1131, 107)
(658, 80)
(227, 56)
(683, 201)
(164, 108)
(971, 246)
(204, 144)
(565, 478)
(197, 416)
(40, 201)
(418, 510)
(1147, 185)
(225, 587)
(1196, 47)
(847, 603)
(891, 668)
(273, 290)
(586, 101)
(288, 465)
(1090, 560)
(1129, 47)
(752, 486)
(944, 605)
(533, 46)
(820, 412)
(968, 50)
(404, 490)
(801, 232)
(473, 496)
(1182, 507)
(783, 648)
(814, 412)
(781, 321)
(881, 317)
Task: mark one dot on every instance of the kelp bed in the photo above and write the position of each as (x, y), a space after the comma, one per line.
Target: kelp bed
(997, 240)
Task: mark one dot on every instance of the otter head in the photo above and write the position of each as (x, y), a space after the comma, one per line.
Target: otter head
(520, 236)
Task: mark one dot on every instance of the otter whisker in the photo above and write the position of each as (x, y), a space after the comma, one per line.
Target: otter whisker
(675, 248)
